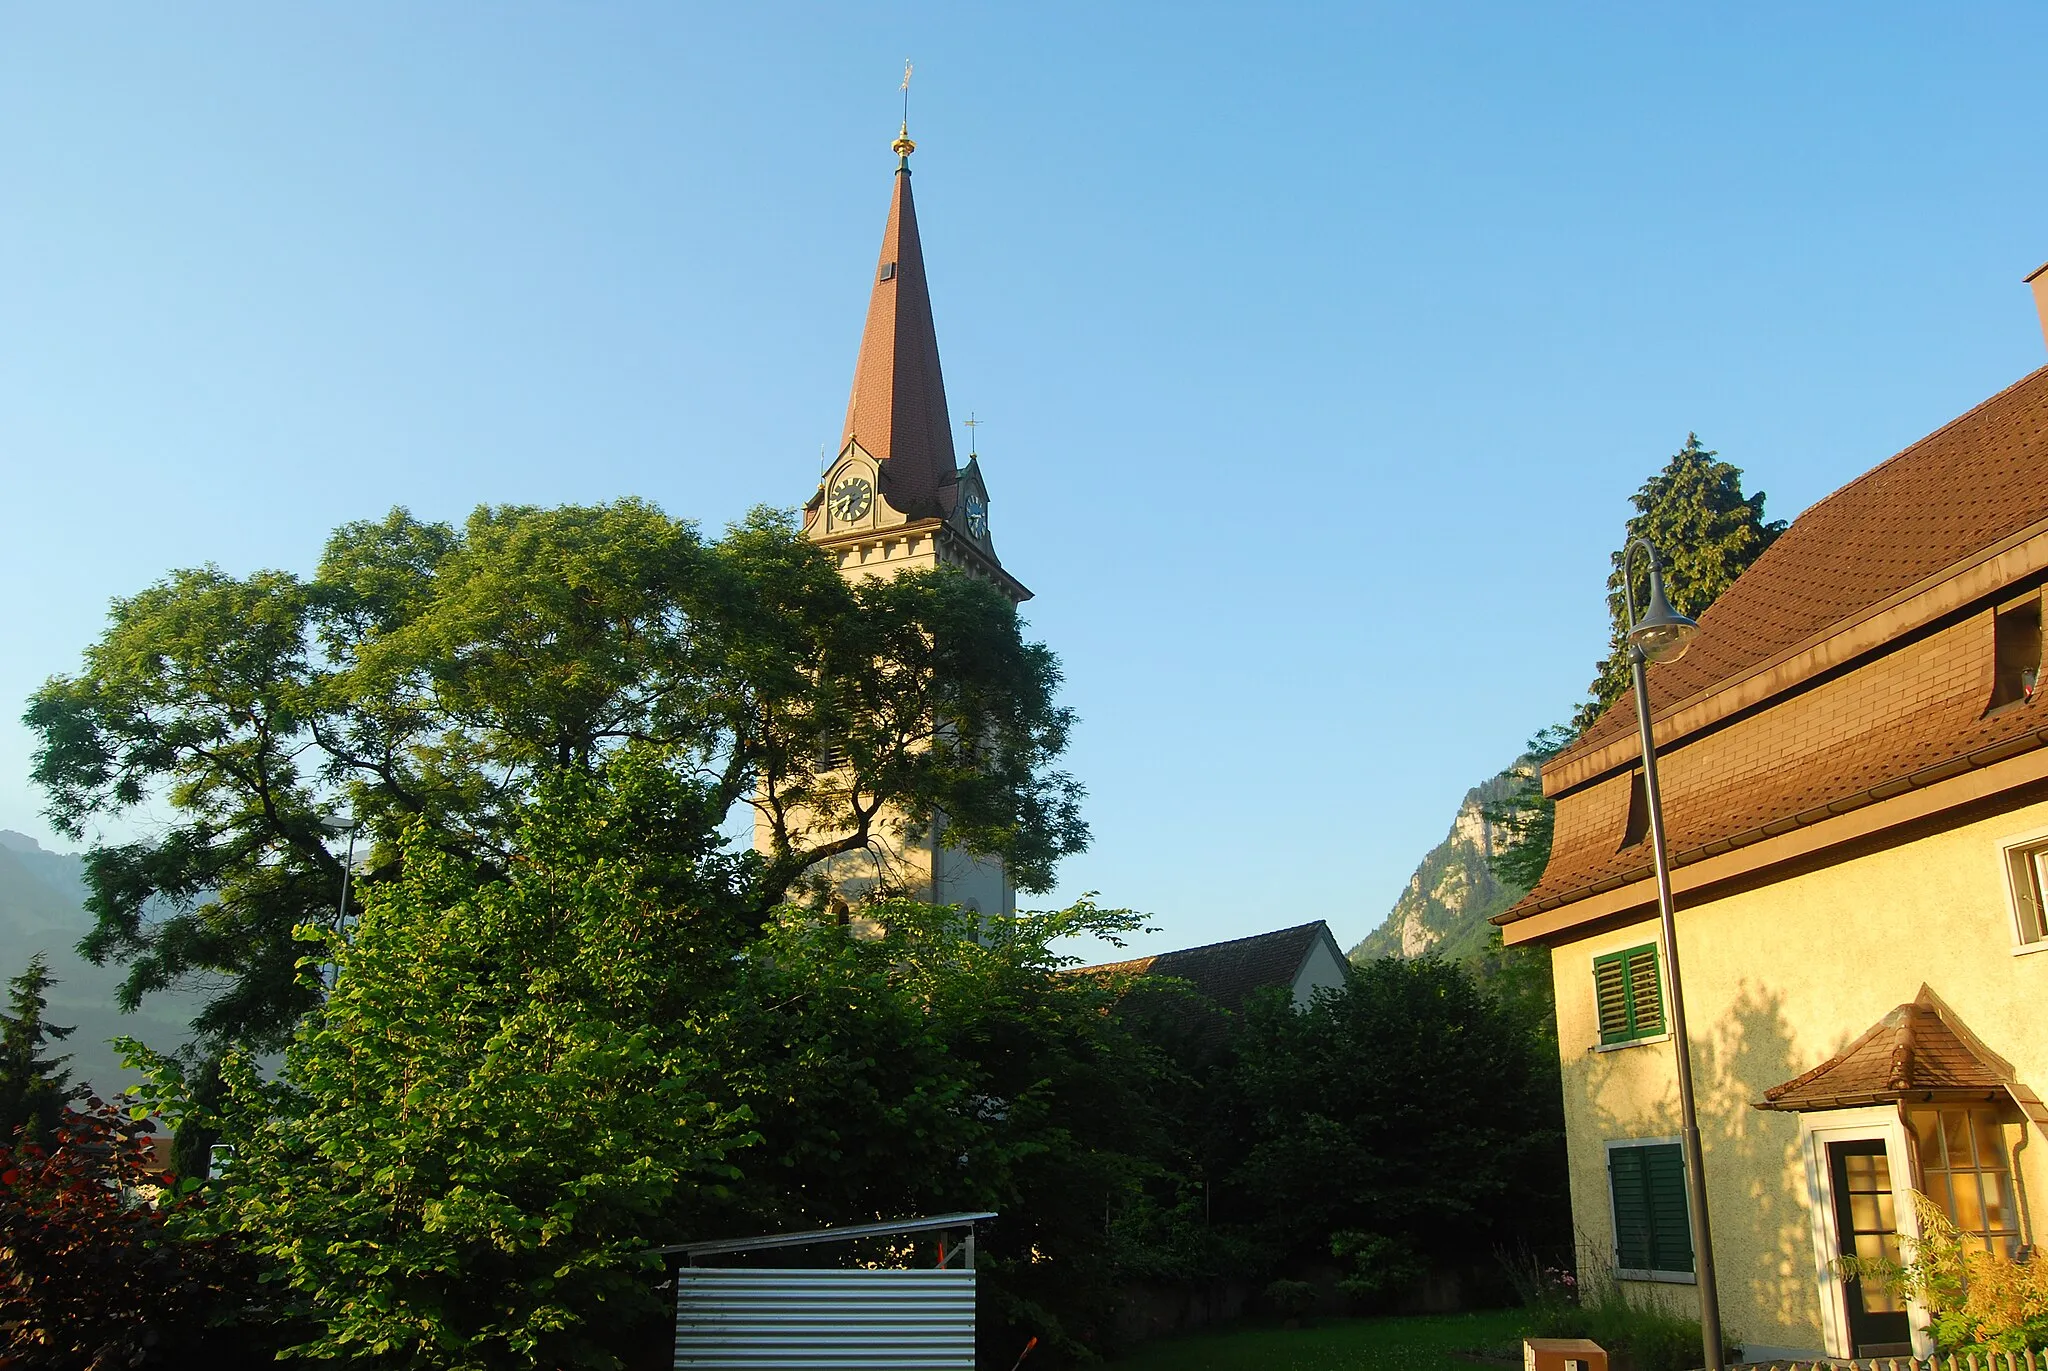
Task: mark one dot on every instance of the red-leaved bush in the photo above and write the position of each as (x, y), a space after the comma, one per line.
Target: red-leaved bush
(91, 1273)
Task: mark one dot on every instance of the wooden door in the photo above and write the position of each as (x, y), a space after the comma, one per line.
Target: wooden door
(1866, 1220)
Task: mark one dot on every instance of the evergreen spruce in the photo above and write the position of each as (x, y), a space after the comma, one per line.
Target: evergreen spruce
(1706, 531)
(33, 1088)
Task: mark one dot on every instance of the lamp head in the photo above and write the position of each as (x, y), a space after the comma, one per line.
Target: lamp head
(339, 823)
(1660, 632)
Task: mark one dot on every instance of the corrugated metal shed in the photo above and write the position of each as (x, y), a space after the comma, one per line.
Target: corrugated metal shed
(758, 1319)
(832, 1319)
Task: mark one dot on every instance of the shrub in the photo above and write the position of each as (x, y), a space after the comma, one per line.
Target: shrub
(1981, 1301)
(1651, 1337)
(1290, 1299)
(92, 1270)
(1380, 1266)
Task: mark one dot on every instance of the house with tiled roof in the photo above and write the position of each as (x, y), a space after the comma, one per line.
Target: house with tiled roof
(1853, 760)
(1300, 960)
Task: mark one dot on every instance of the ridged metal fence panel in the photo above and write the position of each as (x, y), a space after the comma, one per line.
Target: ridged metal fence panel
(768, 1320)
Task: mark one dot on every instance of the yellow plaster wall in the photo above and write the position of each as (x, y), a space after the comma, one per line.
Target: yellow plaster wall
(1776, 981)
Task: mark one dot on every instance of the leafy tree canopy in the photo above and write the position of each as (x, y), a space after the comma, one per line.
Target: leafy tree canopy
(514, 1089)
(470, 1146)
(945, 1062)
(428, 679)
(34, 1088)
(1407, 1120)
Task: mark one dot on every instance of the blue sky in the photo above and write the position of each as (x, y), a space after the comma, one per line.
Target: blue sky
(1319, 347)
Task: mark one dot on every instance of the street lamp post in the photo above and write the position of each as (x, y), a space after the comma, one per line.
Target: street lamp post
(337, 824)
(1660, 633)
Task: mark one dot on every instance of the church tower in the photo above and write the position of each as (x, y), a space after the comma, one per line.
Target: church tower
(896, 499)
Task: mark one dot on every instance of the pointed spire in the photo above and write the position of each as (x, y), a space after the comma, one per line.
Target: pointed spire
(897, 411)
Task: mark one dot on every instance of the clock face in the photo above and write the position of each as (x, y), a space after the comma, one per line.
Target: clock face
(851, 499)
(977, 517)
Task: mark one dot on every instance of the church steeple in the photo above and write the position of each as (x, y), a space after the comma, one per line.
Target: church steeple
(897, 412)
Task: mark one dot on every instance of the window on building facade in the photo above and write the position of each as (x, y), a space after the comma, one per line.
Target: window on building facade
(1629, 995)
(1652, 1230)
(1965, 1170)
(2017, 632)
(2027, 865)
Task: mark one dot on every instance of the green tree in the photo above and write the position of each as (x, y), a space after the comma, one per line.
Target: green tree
(34, 1088)
(1707, 531)
(468, 1150)
(430, 678)
(1525, 818)
(945, 1062)
(1408, 1121)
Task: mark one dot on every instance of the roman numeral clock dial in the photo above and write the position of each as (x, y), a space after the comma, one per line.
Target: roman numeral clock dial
(851, 499)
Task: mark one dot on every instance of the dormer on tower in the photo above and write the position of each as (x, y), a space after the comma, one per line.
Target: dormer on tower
(895, 497)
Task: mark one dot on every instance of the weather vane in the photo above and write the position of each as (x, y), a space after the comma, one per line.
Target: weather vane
(972, 424)
(903, 147)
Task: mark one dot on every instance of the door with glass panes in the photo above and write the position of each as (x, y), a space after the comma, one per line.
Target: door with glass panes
(1866, 1225)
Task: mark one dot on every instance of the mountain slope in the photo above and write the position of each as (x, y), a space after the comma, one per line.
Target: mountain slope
(42, 909)
(1453, 892)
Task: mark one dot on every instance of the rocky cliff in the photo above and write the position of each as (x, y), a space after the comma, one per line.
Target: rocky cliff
(1454, 891)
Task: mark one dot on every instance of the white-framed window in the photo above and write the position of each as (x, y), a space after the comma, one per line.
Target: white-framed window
(2026, 883)
(1652, 1212)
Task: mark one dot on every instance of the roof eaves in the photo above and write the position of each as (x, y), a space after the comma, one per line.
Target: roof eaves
(1536, 902)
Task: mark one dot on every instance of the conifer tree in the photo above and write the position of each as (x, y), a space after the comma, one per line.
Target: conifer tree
(33, 1088)
(1706, 531)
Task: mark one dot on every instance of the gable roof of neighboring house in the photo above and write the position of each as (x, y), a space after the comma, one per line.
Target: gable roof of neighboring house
(1229, 972)
(1912, 546)
(1919, 1050)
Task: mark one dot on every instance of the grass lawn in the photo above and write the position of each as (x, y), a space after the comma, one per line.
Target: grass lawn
(1429, 1343)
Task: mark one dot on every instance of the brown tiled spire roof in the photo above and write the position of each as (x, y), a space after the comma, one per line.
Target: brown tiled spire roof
(897, 411)
(1920, 1050)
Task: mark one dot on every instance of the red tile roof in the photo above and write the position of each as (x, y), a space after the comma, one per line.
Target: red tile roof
(1960, 489)
(897, 411)
(1826, 742)
(1919, 1049)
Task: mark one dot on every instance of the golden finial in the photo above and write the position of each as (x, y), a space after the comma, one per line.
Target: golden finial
(903, 147)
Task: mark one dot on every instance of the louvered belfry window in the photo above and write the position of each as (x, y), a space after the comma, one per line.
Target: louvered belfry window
(1652, 1229)
(1629, 995)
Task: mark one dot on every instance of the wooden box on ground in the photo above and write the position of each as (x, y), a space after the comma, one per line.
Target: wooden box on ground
(1562, 1354)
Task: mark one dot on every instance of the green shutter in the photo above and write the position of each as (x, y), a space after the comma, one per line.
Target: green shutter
(1645, 993)
(1631, 1208)
(1651, 1227)
(1671, 1232)
(1628, 994)
(1610, 993)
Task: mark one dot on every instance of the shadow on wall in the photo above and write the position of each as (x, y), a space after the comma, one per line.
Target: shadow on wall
(1756, 1173)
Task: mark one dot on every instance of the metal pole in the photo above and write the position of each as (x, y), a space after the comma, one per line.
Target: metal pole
(348, 865)
(1681, 1044)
